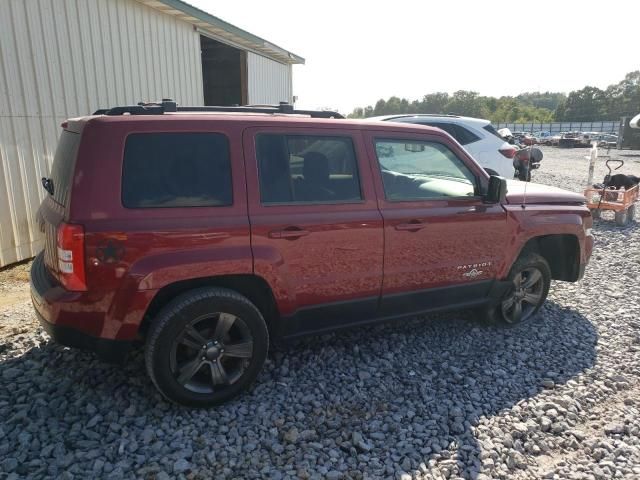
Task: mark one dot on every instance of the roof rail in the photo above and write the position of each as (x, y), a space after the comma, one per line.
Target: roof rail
(168, 105)
(403, 115)
(452, 115)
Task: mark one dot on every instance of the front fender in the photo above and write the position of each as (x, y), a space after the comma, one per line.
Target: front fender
(534, 221)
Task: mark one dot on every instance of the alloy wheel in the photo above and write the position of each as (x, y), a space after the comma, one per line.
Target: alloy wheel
(527, 295)
(212, 352)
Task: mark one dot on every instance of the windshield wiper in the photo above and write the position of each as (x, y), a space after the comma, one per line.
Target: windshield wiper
(47, 183)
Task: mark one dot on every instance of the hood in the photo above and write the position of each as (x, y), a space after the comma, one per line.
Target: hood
(541, 194)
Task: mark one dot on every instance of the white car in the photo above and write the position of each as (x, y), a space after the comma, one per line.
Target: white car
(544, 138)
(477, 136)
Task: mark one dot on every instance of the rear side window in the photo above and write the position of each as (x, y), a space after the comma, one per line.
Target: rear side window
(63, 165)
(465, 136)
(447, 127)
(176, 170)
(460, 133)
(307, 169)
(491, 129)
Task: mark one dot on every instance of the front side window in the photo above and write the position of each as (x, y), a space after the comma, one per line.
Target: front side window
(307, 169)
(415, 170)
(176, 170)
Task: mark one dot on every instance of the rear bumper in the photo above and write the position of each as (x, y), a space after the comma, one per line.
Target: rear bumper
(504, 168)
(71, 318)
(113, 351)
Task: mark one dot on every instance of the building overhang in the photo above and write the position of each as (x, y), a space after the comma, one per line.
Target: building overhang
(208, 25)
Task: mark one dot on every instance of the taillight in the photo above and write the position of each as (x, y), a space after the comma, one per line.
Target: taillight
(508, 152)
(71, 256)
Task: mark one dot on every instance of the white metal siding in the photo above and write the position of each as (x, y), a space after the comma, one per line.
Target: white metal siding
(65, 58)
(269, 82)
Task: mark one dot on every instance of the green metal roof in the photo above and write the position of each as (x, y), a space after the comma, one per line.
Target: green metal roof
(223, 30)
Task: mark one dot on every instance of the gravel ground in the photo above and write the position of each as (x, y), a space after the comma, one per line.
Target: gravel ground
(429, 398)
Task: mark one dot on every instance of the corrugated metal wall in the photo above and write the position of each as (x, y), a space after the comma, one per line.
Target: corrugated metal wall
(606, 126)
(65, 58)
(269, 82)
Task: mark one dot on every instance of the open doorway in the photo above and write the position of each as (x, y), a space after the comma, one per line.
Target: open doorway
(224, 73)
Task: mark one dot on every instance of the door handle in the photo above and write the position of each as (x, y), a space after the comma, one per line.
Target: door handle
(289, 232)
(412, 226)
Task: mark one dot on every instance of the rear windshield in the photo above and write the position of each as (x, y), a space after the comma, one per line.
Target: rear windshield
(491, 129)
(63, 165)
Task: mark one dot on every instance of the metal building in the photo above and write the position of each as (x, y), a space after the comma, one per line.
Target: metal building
(66, 58)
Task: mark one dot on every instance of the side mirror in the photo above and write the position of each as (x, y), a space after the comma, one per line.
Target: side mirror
(497, 190)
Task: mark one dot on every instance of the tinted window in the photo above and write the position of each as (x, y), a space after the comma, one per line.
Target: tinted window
(414, 170)
(461, 134)
(176, 170)
(447, 127)
(491, 129)
(63, 166)
(304, 169)
(465, 136)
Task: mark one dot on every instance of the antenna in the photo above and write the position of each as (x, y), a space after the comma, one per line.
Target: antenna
(526, 179)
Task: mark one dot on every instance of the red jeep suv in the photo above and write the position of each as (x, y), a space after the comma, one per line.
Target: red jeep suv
(205, 231)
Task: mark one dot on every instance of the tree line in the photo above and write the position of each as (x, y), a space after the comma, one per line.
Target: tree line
(587, 104)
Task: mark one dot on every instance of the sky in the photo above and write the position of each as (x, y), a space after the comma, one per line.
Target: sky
(360, 51)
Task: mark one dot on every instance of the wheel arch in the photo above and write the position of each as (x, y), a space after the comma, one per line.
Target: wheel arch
(254, 287)
(561, 251)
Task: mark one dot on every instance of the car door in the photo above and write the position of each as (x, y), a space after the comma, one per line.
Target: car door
(443, 244)
(316, 232)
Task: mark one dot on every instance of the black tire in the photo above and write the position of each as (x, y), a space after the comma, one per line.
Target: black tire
(521, 273)
(622, 218)
(524, 177)
(227, 322)
(631, 213)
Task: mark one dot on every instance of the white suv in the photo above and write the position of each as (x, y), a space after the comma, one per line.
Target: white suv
(476, 135)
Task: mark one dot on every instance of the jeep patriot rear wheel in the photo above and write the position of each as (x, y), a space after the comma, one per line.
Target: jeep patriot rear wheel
(206, 346)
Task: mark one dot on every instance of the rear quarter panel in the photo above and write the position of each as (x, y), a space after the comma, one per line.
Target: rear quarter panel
(132, 253)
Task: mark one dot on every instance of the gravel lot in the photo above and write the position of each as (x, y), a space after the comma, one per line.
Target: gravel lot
(430, 398)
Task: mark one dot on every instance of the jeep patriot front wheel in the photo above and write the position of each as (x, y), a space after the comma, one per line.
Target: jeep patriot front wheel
(206, 346)
(531, 277)
(526, 297)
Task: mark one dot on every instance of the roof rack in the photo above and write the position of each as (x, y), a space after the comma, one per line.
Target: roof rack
(168, 105)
